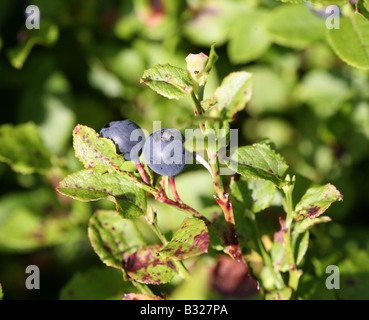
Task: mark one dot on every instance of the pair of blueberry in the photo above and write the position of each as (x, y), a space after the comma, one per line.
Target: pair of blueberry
(163, 150)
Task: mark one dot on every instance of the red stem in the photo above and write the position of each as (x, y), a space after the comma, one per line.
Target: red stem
(174, 189)
(142, 173)
(234, 249)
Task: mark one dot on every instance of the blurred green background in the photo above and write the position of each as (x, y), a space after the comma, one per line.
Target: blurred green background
(84, 66)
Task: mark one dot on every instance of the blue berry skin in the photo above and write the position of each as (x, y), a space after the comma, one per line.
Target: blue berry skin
(127, 136)
(164, 152)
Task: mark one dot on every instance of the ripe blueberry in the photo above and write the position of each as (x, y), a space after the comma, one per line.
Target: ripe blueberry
(164, 152)
(127, 136)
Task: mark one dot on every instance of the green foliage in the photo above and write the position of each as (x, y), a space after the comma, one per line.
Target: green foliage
(23, 149)
(350, 42)
(96, 284)
(259, 161)
(281, 74)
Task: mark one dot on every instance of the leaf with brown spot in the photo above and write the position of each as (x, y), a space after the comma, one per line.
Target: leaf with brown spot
(147, 266)
(87, 185)
(96, 152)
(111, 237)
(315, 201)
(191, 239)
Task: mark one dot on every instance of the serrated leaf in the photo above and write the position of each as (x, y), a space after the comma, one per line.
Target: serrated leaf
(112, 237)
(351, 41)
(282, 294)
(259, 161)
(362, 7)
(87, 185)
(308, 223)
(249, 38)
(191, 239)
(140, 296)
(234, 93)
(295, 26)
(146, 265)
(315, 201)
(23, 149)
(95, 152)
(96, 284)
(169, 81)
(252, 194)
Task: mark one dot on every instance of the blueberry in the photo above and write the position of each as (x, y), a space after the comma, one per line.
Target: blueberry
(164, 152)
(127, 136)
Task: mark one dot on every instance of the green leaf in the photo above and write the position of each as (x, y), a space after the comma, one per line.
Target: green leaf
(308, 223)
(1, 292)
(96, 284)
(259, 161)
(282, 294)
(295, 26)
(351, 41)
(324, 92)
(249, 38)
(252, 194)
(362, 7)
(87, 185)
(113, 237)
(23, 149)
(300, 244)
(146, 265)
(191, 239)
(278, 255)
(95, 152)
(25, 226)
(315, 201)
(169, 81)
(209, 103)
(234, 93)
(47, 35)
(140, 296)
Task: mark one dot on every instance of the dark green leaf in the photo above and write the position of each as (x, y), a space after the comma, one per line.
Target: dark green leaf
(316, 200)
(259, 161)
(191, 239)
(252, 194)
(23, 149)
(47, 35)
(362, 7)
(87, 185)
